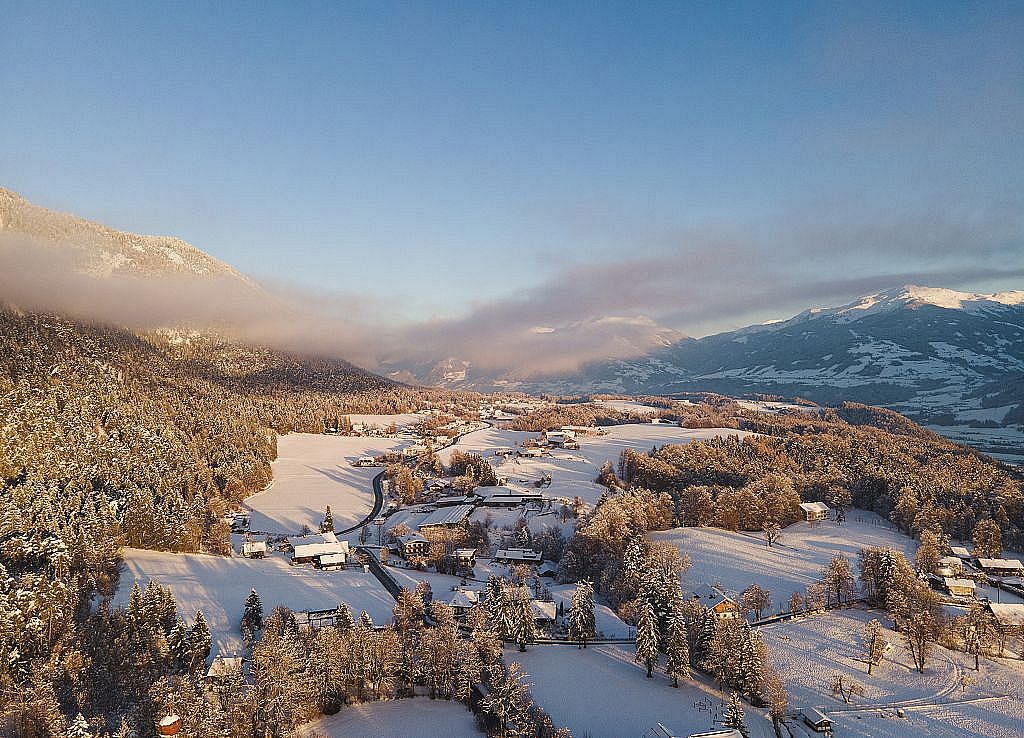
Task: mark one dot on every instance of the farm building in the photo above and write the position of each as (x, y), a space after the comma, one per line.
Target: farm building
(517, 556)
(814, 511)
(506, 496)
(329, 562)
(412, 544)
(309, 553)
(169, 725)
(959, 587)
(254, 549)
(1002, 567)
(724, 607)
(816, 720)
(532, 452)
(463, 600)
(948, 566)
(446, 517)
(723, 733)
(465, 557)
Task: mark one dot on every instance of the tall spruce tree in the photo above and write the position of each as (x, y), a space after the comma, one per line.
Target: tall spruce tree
(647, 638)
(677, 647)
(581, 614)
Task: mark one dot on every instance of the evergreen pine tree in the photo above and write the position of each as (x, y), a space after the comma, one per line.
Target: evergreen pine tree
(79, 728)
(365, 620)
(677, 647)
(734, 715)
(343, 619)
(252, 615)
(581, 614)
(178, 645)
(647, 638)
(199, 641)
(328, 525)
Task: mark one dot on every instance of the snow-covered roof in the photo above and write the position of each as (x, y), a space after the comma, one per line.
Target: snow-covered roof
(311, 550)
(814, 507)
(501, 493)
(517, 554)
(951, 582)
(328, 559)
(1008, 613)
(464, 599)
(412, 538)
(960, 552)
(950, 560)
(447, 516)
(254, 546)
(465, 553)
(1001, 564)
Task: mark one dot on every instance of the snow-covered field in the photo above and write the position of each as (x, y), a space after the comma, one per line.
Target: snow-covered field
(808, 651)
(218, 586)
(573, 472)
(737, 560)
(313, 471)
(412, 718)
(599, 691)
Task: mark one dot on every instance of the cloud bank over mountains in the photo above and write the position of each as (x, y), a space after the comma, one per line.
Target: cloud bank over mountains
(687, 283)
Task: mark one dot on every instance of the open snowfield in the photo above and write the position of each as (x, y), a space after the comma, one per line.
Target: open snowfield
(737, 560)
(808, 651)
(218, 586)
(383, 421)
(313, 471)
(411, 718)
(599, 691)
(573, 472)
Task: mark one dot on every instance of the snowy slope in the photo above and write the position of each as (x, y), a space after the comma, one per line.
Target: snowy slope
(951, 360)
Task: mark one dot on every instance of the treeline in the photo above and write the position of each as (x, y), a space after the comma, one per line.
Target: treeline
(167, 442)
(917, 479)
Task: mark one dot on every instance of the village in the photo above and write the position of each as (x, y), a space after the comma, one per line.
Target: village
(445, 507)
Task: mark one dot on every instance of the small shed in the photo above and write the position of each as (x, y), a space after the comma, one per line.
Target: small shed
(254, 549)
(224, 667)
(465, 557)
(814, 511)
(960, 552)
(816, 720)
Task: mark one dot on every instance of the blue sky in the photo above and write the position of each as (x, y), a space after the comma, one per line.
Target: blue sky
(723, 164)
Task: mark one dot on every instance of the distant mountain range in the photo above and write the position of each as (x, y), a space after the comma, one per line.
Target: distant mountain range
(950, 360)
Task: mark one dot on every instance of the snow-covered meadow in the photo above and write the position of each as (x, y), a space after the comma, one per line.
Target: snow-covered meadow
(737, 560)
(808, 651)
(313, 471)
(410, 718)
(599, 691)
(218, 586)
